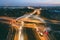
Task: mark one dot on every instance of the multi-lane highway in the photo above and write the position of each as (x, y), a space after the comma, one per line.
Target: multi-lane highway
(28, 28)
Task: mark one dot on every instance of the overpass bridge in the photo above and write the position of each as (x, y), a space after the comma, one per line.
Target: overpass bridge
(31, 23)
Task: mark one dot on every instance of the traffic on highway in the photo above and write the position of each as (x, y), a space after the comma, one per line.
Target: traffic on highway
(27, 27)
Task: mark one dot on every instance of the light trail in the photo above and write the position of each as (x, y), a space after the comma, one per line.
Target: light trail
(20, 31)
(26, 16)
(39, 18)
(21, 25)
(9, 21)
(31, 14)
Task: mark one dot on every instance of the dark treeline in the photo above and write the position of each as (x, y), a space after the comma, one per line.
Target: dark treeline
(14, 12)
(49, 12)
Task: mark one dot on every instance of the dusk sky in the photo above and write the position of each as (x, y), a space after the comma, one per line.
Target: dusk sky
(28, 2)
